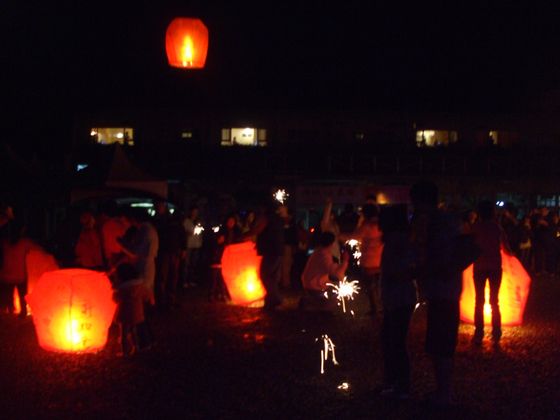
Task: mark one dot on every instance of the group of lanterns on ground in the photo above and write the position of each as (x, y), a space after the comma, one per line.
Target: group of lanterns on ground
(73, 308)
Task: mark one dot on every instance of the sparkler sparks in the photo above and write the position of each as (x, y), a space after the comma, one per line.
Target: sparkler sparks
(198, 229)
(281, 196)
(344, 290)
(328, 348)
(355, 247)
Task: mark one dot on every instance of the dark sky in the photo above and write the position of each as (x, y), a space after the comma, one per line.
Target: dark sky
(69, 56)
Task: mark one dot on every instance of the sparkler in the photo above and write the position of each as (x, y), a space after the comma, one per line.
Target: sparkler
(281, 196)
(355, 246)
(344, 290)
(198, 229)
(328, 348)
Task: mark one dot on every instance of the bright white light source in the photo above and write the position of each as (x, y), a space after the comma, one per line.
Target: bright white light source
(328, 348)
(198, 229)
(344, 290)
(281, 196)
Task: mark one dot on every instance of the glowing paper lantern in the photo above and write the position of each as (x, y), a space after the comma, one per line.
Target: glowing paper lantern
(240, 269)
(38, 262)
(186, 43)
(512, 297)
(72, 310)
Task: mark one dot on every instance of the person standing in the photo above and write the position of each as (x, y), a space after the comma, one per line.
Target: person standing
(193, 230)
(88, 249)
(13, 269)
(371, 247)
(143, 248)
(491, 238)
(290, 244)
(329, 224)
(398, 292)
(269, 230)
(130, 294)
(434, 233)
(319, 271)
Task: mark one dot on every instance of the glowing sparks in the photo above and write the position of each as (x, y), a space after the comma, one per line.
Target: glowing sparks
(328, 347)
(345, 290)
(344, 386)
(281, 196)
(355, 248)
(216, 229)
(198, 229)
(352, 243)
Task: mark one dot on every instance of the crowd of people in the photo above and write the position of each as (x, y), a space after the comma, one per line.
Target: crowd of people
(152, 259)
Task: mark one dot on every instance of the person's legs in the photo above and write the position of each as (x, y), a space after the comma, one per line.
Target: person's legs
(127, 346)
(160, 281)
(495, 281)
(441, 342)
(389, 359)
(22, 291)
(402, 361)
(369, 281)
(479, 286)
(269, 272)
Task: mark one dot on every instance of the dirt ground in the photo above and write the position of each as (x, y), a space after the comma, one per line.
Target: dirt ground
(221, 361)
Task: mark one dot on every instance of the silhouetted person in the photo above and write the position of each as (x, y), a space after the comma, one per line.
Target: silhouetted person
(491, 238)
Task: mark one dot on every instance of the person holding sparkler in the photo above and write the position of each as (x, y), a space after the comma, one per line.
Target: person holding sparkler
(319, 271)
(398, 292)
(369, 235)
(435, 231)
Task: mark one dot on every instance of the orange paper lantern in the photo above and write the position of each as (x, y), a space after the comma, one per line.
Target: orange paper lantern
(72, 310)
(186, 43)
(240, 269)
(512, 297)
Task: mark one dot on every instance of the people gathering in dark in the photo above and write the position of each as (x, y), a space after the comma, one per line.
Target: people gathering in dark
(406, 259)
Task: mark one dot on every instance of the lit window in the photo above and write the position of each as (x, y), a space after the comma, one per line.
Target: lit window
(434, 138)
(110, 135)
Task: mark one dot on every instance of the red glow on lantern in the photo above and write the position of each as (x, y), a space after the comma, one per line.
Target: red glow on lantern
(72, 310)
(512, 297)
(240, 269)
(186, 43)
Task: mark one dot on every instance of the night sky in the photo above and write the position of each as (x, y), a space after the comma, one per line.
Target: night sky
(399, 56)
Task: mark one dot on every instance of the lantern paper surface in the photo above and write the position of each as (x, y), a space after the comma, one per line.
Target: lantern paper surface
(37, 262)
(240, 269)
(186, 43)
(511, 298)
(72, 310)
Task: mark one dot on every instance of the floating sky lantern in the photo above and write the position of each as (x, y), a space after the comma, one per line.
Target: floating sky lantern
(240, 269)
(186, 43)
(72, 310)
(512, 297)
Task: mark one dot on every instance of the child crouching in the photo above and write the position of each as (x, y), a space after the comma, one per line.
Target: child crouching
(130, 294)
